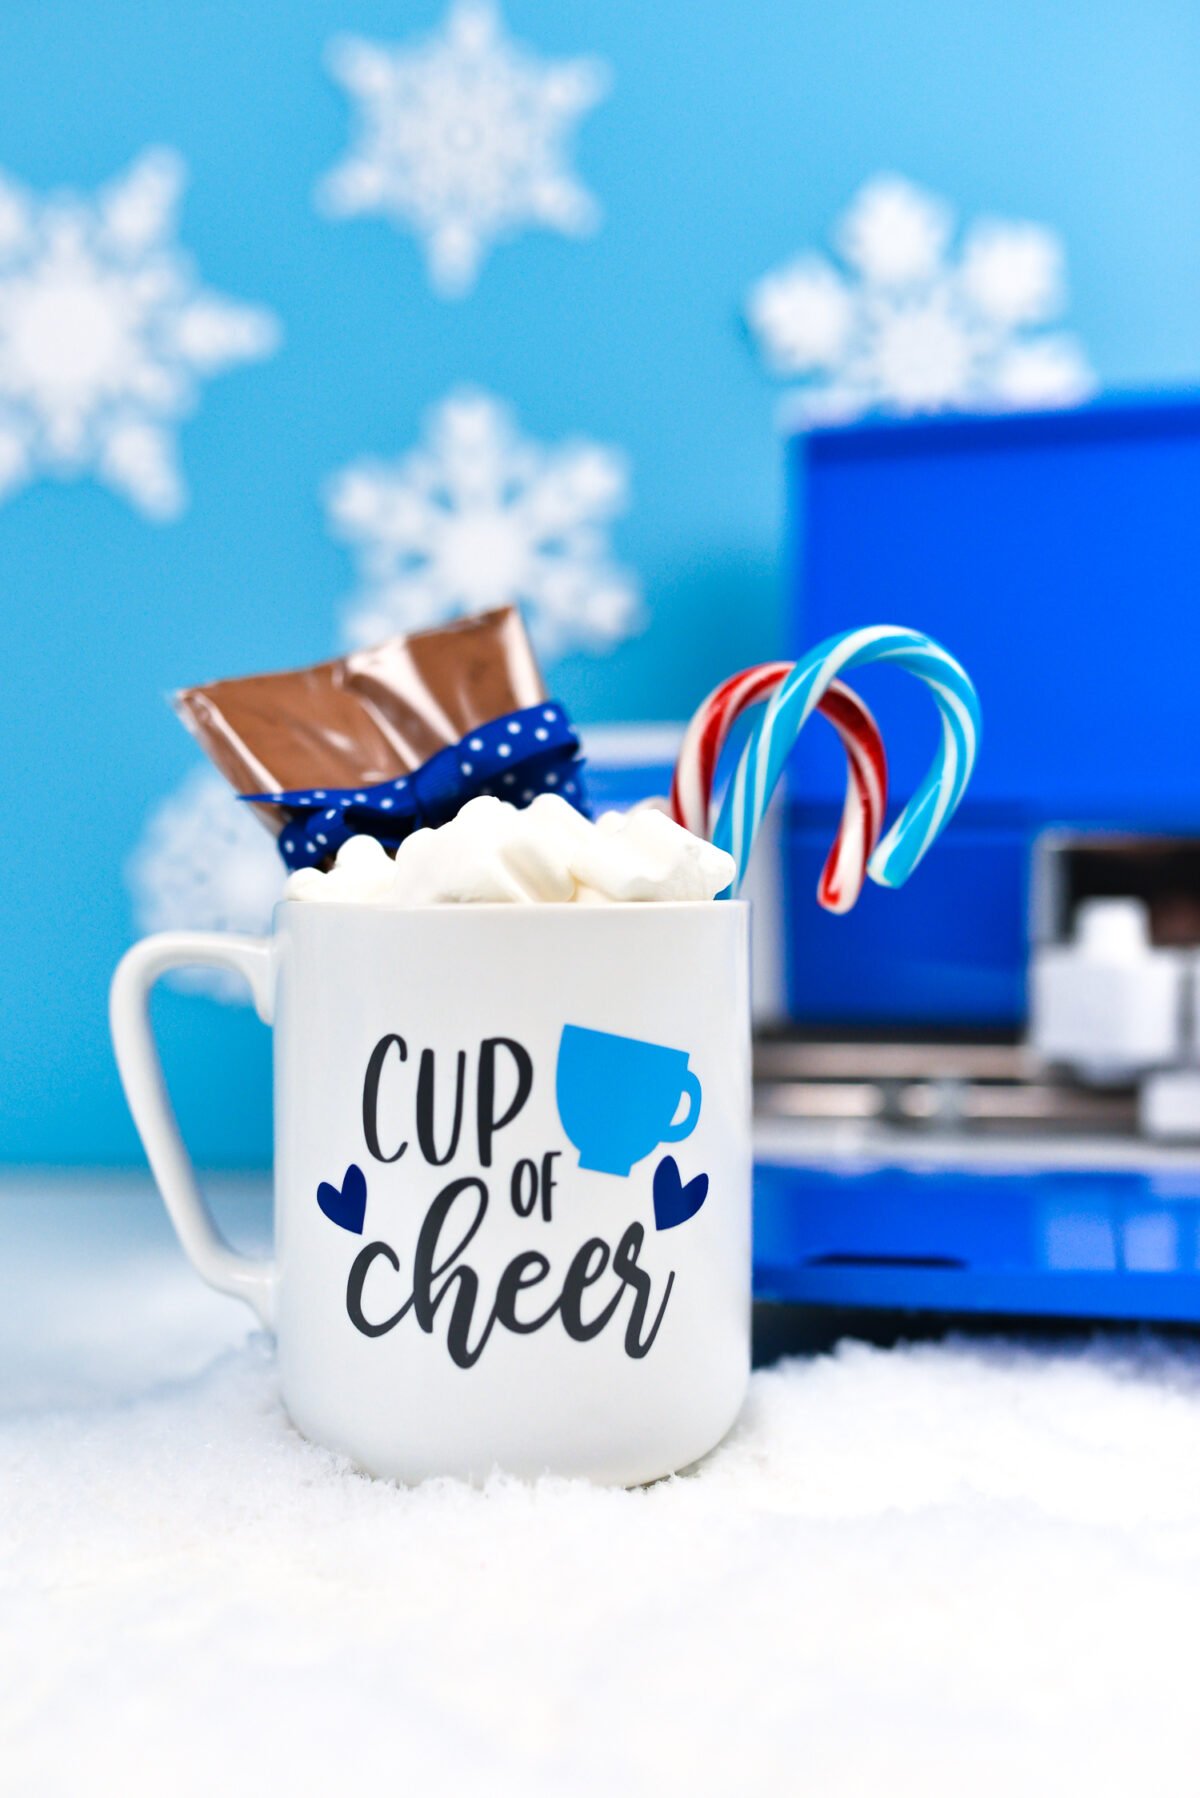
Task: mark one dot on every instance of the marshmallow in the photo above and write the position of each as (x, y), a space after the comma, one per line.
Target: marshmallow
(545, 854)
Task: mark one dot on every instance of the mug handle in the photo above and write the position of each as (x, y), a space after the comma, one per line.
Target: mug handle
(691, 1117)
(142, 1077)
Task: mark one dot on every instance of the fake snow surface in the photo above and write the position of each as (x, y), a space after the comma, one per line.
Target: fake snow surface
(945, 1568)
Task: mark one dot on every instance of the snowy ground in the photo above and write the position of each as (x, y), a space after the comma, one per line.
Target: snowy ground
(949, 1568)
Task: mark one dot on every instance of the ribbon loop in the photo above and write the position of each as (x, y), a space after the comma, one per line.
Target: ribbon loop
(515, 757)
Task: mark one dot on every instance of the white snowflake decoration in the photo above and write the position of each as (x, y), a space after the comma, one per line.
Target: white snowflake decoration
(205, 863)
(905, 325)
(478, 516)
(464, 138)
(105, 334)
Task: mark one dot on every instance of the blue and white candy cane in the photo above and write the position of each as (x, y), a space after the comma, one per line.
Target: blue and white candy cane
(770, 743)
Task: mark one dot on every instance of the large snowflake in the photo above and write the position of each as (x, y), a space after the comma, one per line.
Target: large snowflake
(479, 516)
(463, 137)
(205, 863)
(907, 322)
(105, 333)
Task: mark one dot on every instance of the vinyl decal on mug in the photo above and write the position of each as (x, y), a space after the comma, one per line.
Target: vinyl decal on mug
(674, 1202)
(618, 1095)
(345, 1205)
(617, 1100)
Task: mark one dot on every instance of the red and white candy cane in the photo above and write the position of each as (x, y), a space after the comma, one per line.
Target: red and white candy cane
(866, 781)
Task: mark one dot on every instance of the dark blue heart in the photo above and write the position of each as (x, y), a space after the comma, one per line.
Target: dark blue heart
(674, 1202)
(345, 1205)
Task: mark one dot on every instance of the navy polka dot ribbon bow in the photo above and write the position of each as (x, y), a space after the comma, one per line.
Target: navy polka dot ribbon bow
(515, 757)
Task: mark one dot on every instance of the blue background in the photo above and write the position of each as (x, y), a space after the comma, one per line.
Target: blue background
(732, 137)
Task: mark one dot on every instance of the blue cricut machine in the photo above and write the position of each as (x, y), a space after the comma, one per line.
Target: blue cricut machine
(982, 1093)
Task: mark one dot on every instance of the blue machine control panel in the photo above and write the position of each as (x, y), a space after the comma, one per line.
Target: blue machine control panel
(898, 1233)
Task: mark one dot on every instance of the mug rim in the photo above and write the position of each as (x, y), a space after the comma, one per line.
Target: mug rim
(512, 908)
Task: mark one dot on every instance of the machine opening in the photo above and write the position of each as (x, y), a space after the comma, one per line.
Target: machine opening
(1162, 871)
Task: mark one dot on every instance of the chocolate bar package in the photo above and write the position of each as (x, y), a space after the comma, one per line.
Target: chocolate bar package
(367, 716)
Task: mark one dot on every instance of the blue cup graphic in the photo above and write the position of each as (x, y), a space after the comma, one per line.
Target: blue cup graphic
(617, 1096)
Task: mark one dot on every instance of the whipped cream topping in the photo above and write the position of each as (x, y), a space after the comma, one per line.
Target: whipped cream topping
(545, 853)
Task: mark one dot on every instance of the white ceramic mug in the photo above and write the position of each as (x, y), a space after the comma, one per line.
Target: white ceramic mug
(512, 1178)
